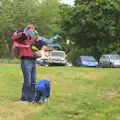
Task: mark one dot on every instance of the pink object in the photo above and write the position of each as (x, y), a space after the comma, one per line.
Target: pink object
(15, 36)
(16, 44)
(21, 45)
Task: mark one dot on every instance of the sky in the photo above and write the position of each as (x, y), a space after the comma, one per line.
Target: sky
(71, 2)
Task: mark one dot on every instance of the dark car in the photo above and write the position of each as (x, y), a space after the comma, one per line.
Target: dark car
(86, 61)
(42, 62)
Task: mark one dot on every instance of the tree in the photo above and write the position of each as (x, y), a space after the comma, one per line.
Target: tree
(96, 24)
(16, 14)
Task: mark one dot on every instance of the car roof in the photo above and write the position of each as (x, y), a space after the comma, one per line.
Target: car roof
(58, 51)
(86, 56)
(108, 54)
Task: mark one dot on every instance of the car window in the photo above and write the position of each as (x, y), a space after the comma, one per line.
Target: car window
(104, 57)
(79, 60)
(41, 60)
(45, 60)
(87, 58)
(115, 57)
(58, 54)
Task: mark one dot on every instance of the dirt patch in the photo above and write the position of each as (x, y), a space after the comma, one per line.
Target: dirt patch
(89, 75)
(112, 95)
(12, 110)
(85, 87)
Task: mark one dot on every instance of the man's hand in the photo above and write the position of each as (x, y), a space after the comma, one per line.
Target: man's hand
(44, 48)
(27, 46)
(38, 38)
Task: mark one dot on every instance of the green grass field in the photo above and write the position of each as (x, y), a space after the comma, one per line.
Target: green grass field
(76, 94)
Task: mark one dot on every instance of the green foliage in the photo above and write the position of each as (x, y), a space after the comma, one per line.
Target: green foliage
(16, 14)
(75, 54)
(94, 23)
(65, 12)
(98, 23)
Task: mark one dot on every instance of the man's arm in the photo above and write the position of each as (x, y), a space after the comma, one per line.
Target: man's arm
(16, 44)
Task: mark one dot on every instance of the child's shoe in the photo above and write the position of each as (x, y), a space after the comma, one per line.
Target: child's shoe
(46, 100)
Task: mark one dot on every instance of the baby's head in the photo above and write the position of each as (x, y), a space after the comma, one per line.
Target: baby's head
(49, 78)
(31, 26)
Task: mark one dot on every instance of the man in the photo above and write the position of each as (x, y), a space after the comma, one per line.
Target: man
(28, 66)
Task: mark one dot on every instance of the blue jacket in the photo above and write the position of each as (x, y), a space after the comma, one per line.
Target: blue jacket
(43, 86)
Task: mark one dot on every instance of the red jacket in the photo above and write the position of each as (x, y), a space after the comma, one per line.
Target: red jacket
(24, 52)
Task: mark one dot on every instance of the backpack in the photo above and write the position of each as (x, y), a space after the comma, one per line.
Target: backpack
(17, 36)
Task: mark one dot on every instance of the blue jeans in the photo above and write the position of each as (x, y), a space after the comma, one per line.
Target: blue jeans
(29, 73)
(40, 96)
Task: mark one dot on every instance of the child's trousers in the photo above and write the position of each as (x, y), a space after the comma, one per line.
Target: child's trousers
(40, 96)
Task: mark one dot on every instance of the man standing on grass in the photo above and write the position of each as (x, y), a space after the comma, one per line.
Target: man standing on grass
(28, 66)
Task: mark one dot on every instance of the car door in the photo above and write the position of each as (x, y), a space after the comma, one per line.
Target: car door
(102, 59)
(78, 61)
(106, 61)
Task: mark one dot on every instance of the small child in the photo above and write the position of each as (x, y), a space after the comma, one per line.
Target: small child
(43, 90)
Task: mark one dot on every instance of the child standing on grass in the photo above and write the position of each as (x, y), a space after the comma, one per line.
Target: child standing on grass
(43, 90)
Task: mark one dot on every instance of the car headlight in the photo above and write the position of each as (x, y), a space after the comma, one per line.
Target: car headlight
(84, 62)
(114, 62)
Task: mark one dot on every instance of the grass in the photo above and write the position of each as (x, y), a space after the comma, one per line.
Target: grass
(76, 94)
(9, 61)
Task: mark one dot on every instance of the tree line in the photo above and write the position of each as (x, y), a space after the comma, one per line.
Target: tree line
(92, 26)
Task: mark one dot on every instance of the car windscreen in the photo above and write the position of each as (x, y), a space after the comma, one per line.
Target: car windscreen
(88, 58)
(44, 60)
(115, 57)
(57, 54)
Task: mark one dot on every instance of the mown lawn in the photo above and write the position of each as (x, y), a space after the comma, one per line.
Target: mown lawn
(76, 94)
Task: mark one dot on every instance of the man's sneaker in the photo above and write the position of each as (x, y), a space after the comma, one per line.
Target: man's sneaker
(40, 102)
(22, 101)
(46, 100)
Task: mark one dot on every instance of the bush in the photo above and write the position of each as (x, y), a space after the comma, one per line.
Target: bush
(10, 61)
(73, 55)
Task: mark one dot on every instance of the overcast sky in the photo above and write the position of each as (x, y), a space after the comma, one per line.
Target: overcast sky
(71, 2)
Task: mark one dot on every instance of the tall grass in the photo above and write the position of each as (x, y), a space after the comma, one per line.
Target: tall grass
(76, 94)
(9, 61)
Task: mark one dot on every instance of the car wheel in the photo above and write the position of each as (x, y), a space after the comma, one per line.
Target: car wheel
(111, 65)
(101, 65)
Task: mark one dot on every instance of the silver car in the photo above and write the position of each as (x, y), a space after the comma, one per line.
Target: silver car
(57, 58)
(110, 60)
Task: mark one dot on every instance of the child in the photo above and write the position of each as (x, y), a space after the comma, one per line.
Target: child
(43, 90)
(39, 47)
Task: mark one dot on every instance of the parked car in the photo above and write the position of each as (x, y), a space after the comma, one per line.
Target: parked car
(69, 64)
(57, 58)
(110, 60)
(86, 61)
(42, 62)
